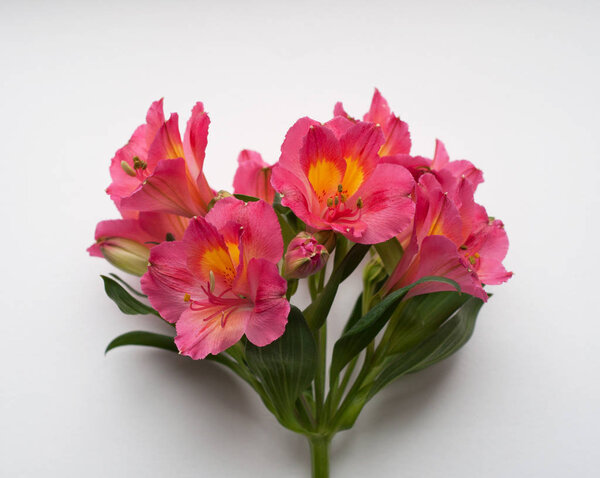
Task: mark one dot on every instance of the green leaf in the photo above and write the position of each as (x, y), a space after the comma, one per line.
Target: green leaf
(316, 313)
(140, 337)
(285, 367)
(287, 232)
(419, 317)
(355, 314)
(245, 198)
(450, 337)
(125, 301)
(354, 340)
(390, 252)
(127, 286)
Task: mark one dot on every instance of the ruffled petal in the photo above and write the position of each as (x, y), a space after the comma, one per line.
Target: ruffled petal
(386, 208)
(166, 190)
(261, 232)
(253, 177)
(167, 143)
(271, 309)
(168, 283)
(208, 252)
(199, 334)
(438, 256)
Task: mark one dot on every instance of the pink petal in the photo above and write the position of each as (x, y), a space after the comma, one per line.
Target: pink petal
(168, 190)
(397, 137)
(122, 183)
(339, 125)
(124, 228)
(436, 213)
(207, 252)
(261, 233)
(438, 256)
(159, 224)
(271, 309)
(491, 271)
(155, 119)
(361, 143)
(167, 143)
(253, 176)
(168, 280)
(197, 337)
(196, 139)
(379, 112)
(440, 157)
(417, 165)
(386, 210)
(338, 110)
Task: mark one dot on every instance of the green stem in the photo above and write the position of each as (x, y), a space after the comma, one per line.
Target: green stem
(319, 456)
(321, 373)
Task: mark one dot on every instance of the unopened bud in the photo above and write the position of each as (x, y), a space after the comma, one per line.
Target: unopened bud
(374, 271)
(129, 256)
(304, 256)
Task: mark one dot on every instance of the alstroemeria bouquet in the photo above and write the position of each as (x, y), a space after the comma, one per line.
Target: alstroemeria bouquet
(223, 268)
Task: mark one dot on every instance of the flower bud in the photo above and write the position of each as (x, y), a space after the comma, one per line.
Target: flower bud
(129, 256)
(304, 256)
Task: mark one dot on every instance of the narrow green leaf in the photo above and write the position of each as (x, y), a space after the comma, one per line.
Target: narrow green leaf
(125, 301)
(127, 286)
(417, 318)
(355, 314)
(287, 232)
(316, 313)
(354, 340)
(246, 198)
(287, 366)
(140, 337)
(390, 252)
(450, 337)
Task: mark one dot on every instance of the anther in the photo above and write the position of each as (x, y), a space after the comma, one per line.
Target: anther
(128, 169)
(212, 280)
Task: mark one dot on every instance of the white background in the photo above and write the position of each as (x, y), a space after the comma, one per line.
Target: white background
(511, 86)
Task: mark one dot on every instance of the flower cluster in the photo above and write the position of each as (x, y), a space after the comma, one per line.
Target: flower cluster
(222, 266)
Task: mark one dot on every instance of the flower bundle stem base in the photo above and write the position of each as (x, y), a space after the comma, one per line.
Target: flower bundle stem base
(319, 456)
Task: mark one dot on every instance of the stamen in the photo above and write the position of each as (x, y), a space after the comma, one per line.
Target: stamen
(359, 203)
(128, 169)
(212, 280)
(186, 297)
(340, 188)
(138, 163)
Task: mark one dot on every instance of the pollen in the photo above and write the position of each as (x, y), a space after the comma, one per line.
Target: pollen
(186, 297)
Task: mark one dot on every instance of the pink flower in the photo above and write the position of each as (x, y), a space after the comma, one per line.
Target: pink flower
(331, 177)
(452, 237)
(304, 256)
(253, 177)
(156, 171)
(126, 243)
(221, 281)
